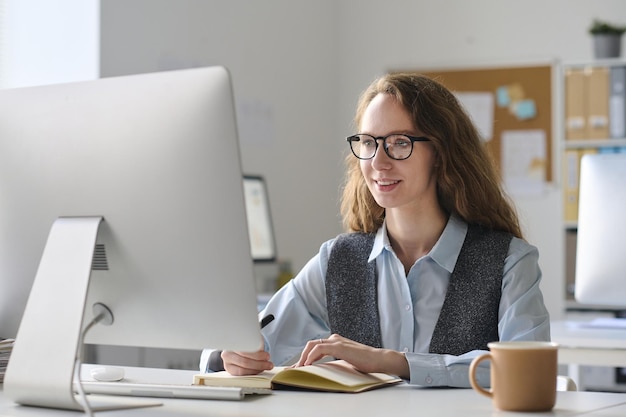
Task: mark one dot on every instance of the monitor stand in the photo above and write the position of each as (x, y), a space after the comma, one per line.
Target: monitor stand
(41, 368)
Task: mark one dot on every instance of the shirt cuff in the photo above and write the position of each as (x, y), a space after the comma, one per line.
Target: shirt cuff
(435, 370)
(211, 361)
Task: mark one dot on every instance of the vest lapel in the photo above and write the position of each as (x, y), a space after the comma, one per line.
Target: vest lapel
(469, 316)
(351, 290)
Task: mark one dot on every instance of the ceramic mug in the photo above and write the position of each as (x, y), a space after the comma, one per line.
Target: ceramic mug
(523, 375)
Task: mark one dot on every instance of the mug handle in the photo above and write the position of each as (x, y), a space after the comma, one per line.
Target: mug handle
(472, 374)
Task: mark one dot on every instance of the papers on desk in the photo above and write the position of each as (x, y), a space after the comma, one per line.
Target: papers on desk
(6, 346)
(600, 323)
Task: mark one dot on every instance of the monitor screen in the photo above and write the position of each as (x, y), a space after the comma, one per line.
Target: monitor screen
(600, 257)
(156, 157)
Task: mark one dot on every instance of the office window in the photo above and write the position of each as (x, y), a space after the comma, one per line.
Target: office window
(2, 37)
(49, 42)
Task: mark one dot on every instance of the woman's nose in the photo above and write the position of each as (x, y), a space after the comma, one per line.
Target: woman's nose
(381, 160)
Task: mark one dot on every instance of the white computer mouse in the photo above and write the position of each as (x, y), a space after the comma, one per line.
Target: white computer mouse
(107, 373)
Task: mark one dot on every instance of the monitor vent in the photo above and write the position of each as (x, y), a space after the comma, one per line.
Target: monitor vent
(99, 262)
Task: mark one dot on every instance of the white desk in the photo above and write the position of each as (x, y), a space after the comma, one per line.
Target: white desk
(588, 346)
(399, 401)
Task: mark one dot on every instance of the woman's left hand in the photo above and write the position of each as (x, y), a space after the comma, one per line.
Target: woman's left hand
(362, 357)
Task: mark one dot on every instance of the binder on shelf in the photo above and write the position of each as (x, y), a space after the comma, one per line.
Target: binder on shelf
(609, 149)
(570, 185)
(617, 102)
(571, 181)
(575, 104)
(570, 263)
(597, 94)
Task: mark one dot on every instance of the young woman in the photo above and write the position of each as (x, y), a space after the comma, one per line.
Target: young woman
(434, 265)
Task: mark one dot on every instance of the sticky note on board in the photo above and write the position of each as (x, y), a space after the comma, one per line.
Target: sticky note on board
(502, 96)
(525, 109)
(516, 92)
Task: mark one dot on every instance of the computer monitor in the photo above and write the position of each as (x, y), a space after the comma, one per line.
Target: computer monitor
(600, 255)
(125, 191)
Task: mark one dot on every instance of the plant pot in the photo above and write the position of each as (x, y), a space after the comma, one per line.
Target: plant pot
(607, 45)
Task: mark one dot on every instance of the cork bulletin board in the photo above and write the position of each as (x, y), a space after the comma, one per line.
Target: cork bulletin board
(522, 97)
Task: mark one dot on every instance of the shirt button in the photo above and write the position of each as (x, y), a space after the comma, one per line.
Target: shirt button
(407, 307)
(405, 350)
(428, 380)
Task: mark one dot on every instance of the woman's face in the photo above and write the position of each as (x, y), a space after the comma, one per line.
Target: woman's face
(408, 183)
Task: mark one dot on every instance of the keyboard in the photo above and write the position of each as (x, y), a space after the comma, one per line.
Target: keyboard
(200, 392)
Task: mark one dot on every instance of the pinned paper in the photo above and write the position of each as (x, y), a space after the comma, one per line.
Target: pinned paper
(480, 107)
(524, 161)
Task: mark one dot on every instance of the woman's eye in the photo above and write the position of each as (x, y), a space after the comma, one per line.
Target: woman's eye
(400, 143)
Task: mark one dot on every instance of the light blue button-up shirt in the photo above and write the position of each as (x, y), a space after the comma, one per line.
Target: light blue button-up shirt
(409, 306)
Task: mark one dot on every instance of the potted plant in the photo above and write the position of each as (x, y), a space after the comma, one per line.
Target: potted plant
(607, 39)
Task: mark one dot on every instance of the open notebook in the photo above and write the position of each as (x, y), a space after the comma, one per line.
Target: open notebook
(335, 376)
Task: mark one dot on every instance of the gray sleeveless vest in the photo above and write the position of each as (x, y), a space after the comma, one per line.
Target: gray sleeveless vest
(469, 316)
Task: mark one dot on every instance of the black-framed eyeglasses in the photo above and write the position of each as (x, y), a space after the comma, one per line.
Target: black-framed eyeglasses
(396, 146)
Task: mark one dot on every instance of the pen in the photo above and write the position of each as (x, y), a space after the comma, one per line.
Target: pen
(267, 320)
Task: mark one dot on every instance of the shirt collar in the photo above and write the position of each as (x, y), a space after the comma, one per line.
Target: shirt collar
(446, 250)
(380, 242)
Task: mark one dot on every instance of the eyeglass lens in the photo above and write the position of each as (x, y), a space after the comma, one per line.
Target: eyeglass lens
(396, 146)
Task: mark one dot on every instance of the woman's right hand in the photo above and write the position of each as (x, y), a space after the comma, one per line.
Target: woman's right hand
(246, 363)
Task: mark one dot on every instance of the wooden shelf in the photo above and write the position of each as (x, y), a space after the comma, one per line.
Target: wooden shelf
(594, 143)
(569, 147)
